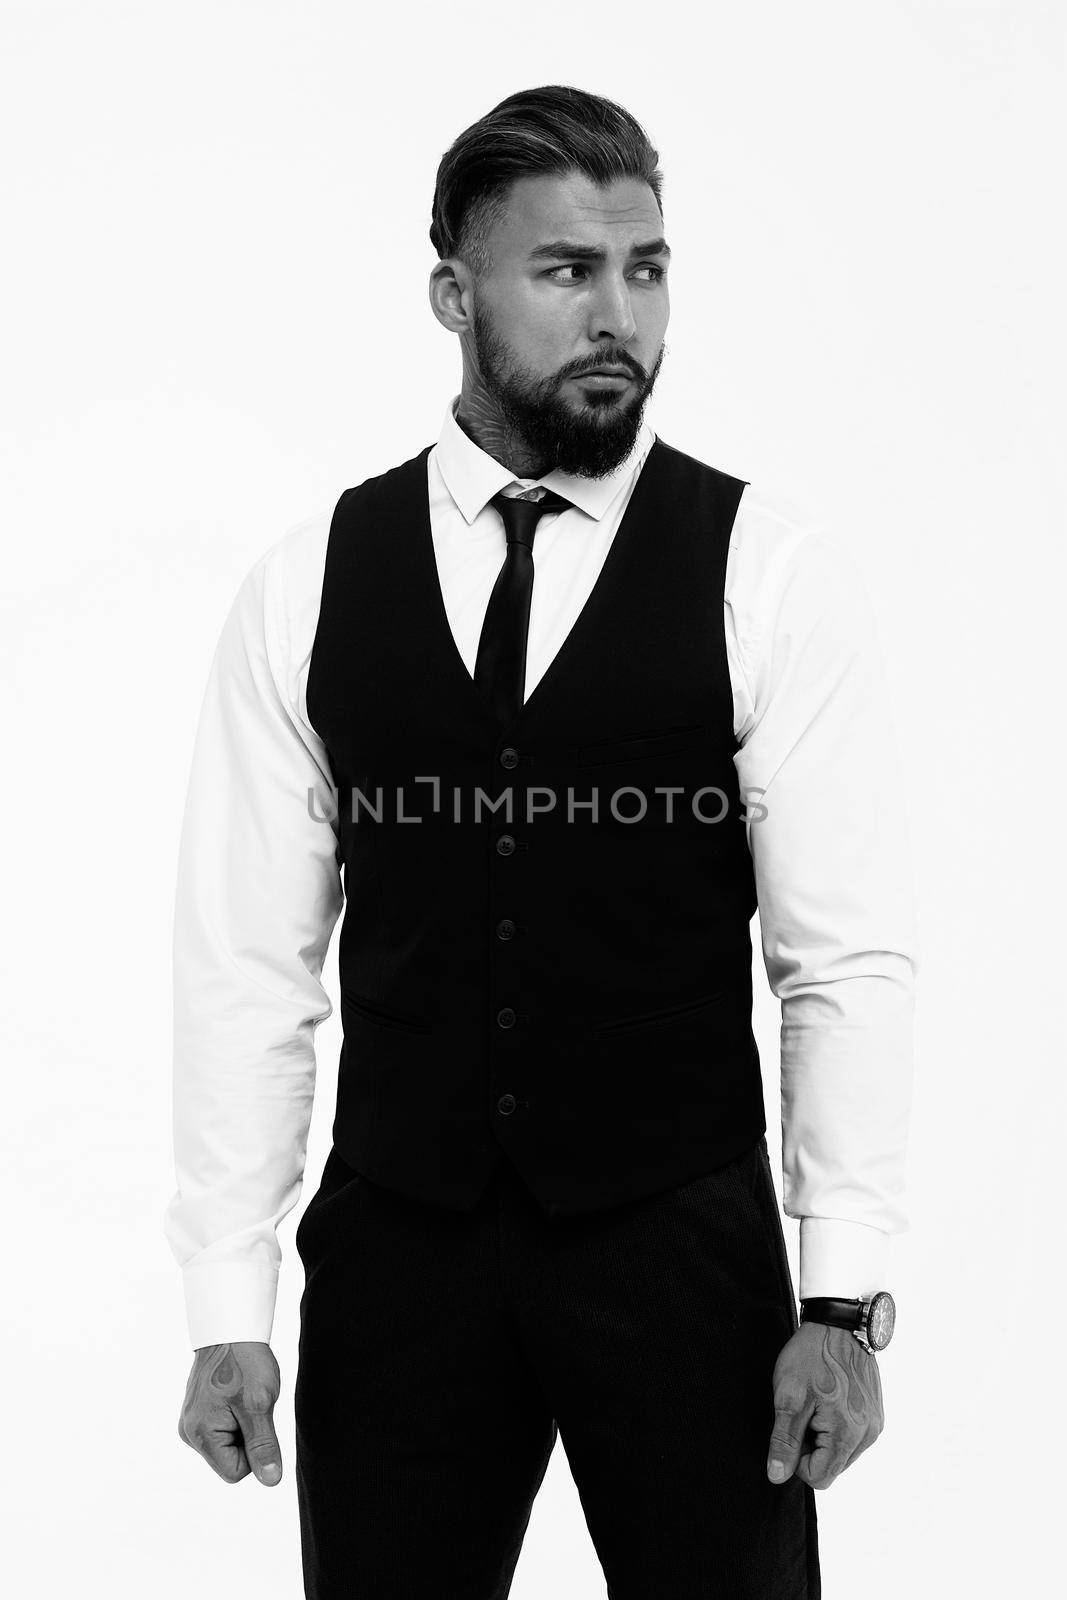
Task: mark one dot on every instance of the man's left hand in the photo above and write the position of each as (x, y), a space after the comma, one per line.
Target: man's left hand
(827, 1405)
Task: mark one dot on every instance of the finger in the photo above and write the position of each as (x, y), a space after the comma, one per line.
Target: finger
(832, 1451)
(229, 1461)
(865, 1443)
(791, 1416)
(820, 1466)
(221, 1449)
(261, 1447)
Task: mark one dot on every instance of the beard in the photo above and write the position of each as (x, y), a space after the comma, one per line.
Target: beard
(588, 441)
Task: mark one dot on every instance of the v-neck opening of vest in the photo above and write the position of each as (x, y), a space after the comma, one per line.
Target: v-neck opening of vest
(609, 568)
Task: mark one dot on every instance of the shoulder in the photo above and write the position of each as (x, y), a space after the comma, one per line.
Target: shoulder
(780, 551)
(286, 588)
(777, 535)
(298, 557)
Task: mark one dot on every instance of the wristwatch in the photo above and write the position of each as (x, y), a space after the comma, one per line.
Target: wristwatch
(872, 1319)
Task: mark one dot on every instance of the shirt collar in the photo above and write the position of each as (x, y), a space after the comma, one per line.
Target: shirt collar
(473, 477)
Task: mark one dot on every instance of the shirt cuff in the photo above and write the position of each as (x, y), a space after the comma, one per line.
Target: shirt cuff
(845, 1260)
(229, 1302)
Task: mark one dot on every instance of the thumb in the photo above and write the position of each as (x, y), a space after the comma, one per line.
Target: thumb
(787, 1440)
(261, 1443)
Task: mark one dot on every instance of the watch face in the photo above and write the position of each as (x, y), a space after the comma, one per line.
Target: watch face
(881, 1320)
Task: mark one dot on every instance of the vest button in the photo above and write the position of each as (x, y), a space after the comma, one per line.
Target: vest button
(505, 845)
(505, 928)
(506, 1017)
(506, 1104)
(509, 757)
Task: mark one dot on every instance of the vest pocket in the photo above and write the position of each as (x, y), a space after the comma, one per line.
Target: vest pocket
(665, 743)
(385, 1016)
(652, 1019)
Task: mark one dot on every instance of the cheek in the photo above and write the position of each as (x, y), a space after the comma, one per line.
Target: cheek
(546, 337)
(652, 319)
(547, 321)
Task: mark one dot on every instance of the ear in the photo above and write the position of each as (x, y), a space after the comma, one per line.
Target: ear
(451, 295)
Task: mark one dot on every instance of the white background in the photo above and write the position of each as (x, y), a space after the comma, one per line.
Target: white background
(215, 319)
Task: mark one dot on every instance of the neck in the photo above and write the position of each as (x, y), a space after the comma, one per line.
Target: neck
(481, 419)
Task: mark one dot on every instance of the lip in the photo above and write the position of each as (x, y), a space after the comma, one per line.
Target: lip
(608, 378)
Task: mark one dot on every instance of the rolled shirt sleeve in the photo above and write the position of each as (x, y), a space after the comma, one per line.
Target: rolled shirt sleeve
(258, 894)
(831, 858)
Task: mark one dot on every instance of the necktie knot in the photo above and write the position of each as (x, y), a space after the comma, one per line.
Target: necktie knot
(521, 516)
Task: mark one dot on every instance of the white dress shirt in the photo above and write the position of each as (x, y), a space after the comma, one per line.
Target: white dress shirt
(259, 888)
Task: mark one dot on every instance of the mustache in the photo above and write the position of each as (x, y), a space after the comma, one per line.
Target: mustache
(606, 360)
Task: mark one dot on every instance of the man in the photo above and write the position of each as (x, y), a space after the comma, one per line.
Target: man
(548, 1206)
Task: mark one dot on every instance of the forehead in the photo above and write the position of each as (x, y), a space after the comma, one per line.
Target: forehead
(549, 206)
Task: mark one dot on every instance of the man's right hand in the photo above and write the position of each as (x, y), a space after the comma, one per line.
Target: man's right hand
(228, 1412)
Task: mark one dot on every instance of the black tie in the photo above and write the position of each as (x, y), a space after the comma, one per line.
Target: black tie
(500, 669)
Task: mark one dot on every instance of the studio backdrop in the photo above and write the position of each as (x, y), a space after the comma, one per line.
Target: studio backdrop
(216, 319)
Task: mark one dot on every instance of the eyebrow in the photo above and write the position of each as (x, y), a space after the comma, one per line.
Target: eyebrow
(564, 249)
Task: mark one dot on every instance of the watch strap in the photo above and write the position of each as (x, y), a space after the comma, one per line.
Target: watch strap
(837, 1313)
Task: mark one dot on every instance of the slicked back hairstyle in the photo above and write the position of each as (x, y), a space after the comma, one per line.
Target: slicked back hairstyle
(553, 129)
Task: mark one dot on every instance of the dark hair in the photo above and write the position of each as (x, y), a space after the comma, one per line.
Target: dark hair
(546, 130)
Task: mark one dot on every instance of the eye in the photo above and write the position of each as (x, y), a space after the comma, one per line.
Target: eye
(659, 273)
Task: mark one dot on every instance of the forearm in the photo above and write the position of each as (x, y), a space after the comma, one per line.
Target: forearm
(846, 1100)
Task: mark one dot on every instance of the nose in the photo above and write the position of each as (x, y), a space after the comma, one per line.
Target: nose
(611, 317)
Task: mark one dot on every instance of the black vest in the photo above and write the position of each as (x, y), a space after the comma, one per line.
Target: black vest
(575, 992)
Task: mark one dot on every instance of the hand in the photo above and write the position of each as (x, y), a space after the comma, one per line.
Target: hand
(825, 1381)
(228, 1412)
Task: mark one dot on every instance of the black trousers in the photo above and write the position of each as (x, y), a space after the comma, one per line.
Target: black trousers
(440, 1352)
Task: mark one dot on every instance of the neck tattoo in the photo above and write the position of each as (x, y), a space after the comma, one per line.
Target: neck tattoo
(481, 419)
